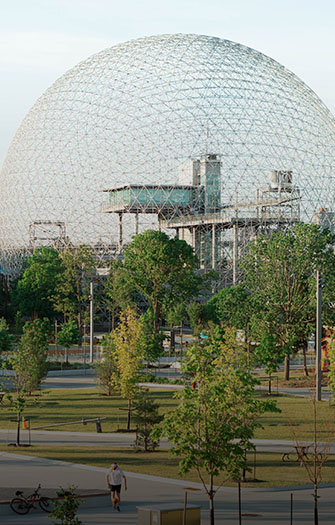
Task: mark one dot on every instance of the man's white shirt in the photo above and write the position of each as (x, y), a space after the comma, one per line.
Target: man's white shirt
(115, 476)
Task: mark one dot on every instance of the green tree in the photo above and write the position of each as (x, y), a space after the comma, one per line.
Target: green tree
(161, 270)
(33, 292)
(5, 337)
(118, 292)
(268, 354)
(174, 318)
(197, 316)
(68, 336)
(5, 297)
(152, 341)
(146, 416)
(128, 342)
(29, 360)
(108, 371)
(230, 306)
(18, 406)
(213, 424)
(66, 508)
(331, 373)
(72, 294)
(280, 274)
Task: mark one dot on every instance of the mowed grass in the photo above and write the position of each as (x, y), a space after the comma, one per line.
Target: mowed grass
(55, 406)
(295, 421)
(270, 470)
(65, 406)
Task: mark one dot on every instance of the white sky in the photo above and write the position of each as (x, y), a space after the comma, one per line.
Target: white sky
(41, 39)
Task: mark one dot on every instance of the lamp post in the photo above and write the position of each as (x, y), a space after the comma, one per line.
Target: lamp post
(91, 322)
(318, 335)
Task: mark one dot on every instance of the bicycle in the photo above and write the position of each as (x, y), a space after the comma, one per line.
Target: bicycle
(301, 453)
(22, 505)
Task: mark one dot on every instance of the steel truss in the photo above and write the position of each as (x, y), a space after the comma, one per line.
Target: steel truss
(145, 113)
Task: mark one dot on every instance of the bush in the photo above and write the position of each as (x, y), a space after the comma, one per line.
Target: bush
(66, 509)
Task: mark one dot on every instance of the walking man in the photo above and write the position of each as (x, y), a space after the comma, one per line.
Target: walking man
(114, 482)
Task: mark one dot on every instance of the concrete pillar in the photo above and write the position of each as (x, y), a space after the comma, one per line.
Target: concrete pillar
(136, 223)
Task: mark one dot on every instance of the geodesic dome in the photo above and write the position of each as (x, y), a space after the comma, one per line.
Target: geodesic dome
(134, 113)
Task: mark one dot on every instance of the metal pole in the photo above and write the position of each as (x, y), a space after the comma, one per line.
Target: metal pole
(291, 520)
(185, 507)
(91, 322)
(235, 253)
(56, 335)
(120, 233)
(84, 348)
(213, 246)
(318, 336)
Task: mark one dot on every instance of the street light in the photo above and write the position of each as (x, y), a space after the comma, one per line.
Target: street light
(318, 336)
(91, 321)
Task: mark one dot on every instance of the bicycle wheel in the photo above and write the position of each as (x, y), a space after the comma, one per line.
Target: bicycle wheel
(20, 506)
(46, 504)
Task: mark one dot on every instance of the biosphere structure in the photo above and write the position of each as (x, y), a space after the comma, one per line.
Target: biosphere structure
(194, 134)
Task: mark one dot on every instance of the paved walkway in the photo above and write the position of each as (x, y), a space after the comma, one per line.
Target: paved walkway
(259, 506)
(49, 437)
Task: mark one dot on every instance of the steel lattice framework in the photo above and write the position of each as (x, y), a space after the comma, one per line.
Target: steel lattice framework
(143, 117)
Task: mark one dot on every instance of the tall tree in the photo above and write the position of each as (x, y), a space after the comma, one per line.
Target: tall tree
(198, 317)
(72, 294)
(5, 337)
(213, 424)
(33, 292)
(162, 270)
(230, 306)
(280, 274)
(118, 292)
(174, 318)
(29, 361)
(107, 367)
(128, 344)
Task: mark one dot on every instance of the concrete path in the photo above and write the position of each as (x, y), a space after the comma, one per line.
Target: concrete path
(45, 437)
(259, 506)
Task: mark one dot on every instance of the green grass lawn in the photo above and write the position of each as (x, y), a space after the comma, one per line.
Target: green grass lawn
(270, 470)
(62, 406)
(296, 420)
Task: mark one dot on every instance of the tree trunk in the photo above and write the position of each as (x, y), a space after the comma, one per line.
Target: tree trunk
(316, 514)
(211, 509)
(18, 430)
(287, 368)
(128, 416)
(172, 339)
(270, 385)
(304, 348)
(211, 495)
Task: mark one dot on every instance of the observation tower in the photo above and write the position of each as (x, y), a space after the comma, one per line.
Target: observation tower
(218, 232)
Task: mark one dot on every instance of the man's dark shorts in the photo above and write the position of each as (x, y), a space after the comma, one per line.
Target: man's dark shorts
(116, 488)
